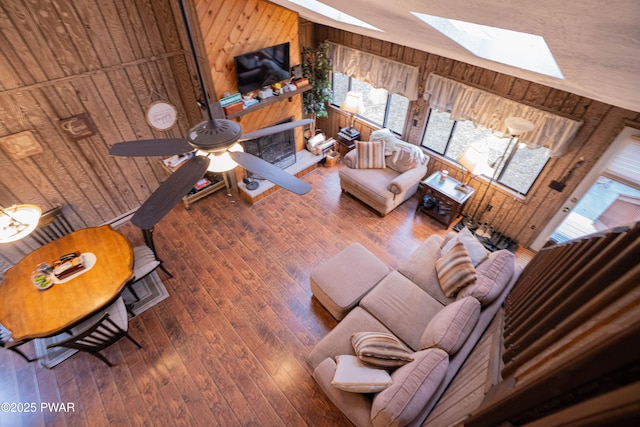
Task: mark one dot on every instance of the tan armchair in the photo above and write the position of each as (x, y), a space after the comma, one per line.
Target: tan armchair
(385, 188)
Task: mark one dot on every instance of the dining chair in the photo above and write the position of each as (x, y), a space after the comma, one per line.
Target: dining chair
(145, 261)
(52, 225)
(6, 342)
(100, 331)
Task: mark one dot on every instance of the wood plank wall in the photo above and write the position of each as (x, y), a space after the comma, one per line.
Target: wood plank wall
(517, 217)
(108, 59)
(231, 28)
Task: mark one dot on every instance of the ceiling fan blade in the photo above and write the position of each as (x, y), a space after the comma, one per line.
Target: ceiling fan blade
(151, 147)
(274, 129)
(270, 172)
(170, 192)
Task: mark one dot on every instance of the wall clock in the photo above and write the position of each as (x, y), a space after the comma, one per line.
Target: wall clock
(161, 115)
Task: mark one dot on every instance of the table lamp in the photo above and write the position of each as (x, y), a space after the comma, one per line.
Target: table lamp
(474, 162)
(353, 105)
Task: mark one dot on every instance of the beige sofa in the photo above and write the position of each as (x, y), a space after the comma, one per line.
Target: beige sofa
(410, 304)
(385, 188)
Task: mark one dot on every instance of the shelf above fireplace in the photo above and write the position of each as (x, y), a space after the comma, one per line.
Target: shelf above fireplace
(269, 101)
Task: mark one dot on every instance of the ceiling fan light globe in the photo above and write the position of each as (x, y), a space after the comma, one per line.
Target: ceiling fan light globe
(221, 163)
(212, 135)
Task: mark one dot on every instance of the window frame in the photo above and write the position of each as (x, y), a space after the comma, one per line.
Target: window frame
(365, 118)
(505, 162)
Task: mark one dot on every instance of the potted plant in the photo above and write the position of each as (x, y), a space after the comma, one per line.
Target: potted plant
(316, 67)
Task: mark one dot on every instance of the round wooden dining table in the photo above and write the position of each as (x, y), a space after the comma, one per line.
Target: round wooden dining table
(29, 312)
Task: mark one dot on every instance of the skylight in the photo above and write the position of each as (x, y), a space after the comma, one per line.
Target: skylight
(522, 50)
(331, 13)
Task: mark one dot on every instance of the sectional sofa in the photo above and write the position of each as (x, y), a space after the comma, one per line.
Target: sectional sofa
(438, 327)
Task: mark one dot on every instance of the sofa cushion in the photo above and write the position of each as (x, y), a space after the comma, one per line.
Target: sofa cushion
(493, 275)
(455, 270)
(401, 306)
(476, 250)
(338, 340)
(404, 157)
(370, 154)
(380, 349)
(449, 329)
(413, 386)
(420, 268)
(354, 376)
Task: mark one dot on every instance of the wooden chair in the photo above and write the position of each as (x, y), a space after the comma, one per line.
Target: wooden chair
(5, 341)
(53, 225)
(100, 331)
(145, 261)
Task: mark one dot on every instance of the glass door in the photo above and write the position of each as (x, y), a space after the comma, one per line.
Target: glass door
(607, 204)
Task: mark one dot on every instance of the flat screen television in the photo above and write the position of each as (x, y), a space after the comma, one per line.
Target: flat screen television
(264, 67)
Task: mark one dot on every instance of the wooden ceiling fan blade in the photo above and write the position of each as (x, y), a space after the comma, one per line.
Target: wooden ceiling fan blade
(170, 192)
(274, 129)
(270, 172)
(151, 147)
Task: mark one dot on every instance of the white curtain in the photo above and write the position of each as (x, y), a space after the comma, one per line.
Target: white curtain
(466, 102)
(379, 72)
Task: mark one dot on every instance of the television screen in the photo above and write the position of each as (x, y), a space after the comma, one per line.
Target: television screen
(263, 67)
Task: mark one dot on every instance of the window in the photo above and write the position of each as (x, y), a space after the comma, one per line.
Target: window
(520, 167)
(381, 108)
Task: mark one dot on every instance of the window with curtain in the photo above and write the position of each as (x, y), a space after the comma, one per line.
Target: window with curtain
(380, 107)
(460, 114)
(450, 138)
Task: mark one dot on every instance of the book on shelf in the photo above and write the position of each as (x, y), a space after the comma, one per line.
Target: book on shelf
(177, 160)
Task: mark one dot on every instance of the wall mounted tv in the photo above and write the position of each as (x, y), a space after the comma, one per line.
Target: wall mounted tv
(264, 67)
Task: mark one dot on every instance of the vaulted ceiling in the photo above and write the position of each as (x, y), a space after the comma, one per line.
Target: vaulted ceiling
(596, 44)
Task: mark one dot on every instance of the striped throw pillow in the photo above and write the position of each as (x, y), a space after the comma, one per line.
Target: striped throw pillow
(370, 154)
(455, 270)
(380, 349)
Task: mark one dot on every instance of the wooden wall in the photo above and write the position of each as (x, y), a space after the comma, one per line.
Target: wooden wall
(108, 59)
(517, 217)
(231, 28)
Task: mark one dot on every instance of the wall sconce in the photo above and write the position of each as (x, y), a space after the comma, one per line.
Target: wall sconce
(18, 221)
(559, 185)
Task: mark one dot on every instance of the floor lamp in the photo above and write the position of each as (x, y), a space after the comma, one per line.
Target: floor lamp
(517, 126)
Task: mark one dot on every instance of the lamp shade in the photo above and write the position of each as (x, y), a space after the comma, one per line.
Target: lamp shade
(518, 126)
(475, 159)
(353, 103)
(18, 221)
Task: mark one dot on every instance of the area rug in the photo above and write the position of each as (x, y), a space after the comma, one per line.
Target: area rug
(151, 291)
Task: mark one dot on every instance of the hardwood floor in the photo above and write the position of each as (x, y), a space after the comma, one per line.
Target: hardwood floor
(228, 346)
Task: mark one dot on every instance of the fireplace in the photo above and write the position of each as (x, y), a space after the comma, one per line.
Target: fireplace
(278, 149)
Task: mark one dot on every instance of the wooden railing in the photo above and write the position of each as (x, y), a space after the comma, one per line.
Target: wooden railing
(571, 330)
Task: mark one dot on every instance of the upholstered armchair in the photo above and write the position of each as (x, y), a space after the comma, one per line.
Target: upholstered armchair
(383, 172)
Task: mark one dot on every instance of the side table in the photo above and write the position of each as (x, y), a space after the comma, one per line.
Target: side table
(440, 199)
(347, 140)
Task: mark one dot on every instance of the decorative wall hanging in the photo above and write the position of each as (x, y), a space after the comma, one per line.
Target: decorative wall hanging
(161, 115)
(77, 127)
(21, 145)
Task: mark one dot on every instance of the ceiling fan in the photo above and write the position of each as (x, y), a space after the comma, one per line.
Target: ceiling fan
(212, 138)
